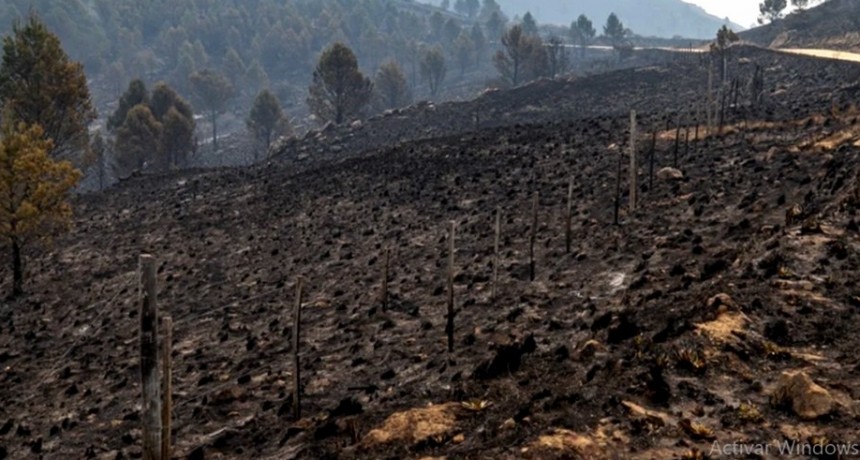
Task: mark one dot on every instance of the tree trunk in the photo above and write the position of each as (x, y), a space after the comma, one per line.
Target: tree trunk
(17, 269)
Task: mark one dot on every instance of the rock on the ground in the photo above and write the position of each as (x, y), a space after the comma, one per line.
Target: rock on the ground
(670, 174)
(806, 398)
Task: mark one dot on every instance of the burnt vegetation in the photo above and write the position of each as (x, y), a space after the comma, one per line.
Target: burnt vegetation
(469, 279)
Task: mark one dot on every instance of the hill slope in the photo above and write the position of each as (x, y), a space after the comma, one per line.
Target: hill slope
(683, 317)
(831, 25)
(660, 18)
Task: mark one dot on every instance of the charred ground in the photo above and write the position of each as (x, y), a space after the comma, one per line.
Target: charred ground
(649, 340)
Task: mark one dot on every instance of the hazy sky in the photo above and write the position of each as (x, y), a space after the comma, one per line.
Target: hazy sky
(743, 12)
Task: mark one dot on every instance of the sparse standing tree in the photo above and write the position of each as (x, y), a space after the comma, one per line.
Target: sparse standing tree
(463, 51)
(391, 86)
(433, 69)
(137, 141)
(164, 98)
(452, 31)
(40, 85)
(234, 67)
(177, 119)
(802, 4)
(34, 191)
(264, 117)
(582, 32)
(529, 24)
(614, 30)
(495, 25)
(339, 90)
(177, 138)
(725, 37)
(134, 95)
(537, 65)
(479, 41)
(557, 57)
(771, 10)
(213, 92)
(513, 60)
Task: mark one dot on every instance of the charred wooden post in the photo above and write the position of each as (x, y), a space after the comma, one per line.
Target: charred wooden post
(533, 237)
(569, 217)
(710, 94)
(677, 141)
(618, 188)
(297, 381)
(698, 120)
(150, 384)
(634, 168)
(167, 388)
(385, 268)
(737, 92)
(686, 140)
(722, 110)
(449, 327)
(651, 160)
(498, 231)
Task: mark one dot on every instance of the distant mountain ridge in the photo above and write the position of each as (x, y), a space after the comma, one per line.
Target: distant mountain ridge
(657, 18)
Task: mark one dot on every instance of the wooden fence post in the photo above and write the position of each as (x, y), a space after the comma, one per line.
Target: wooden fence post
(722, 109)
(569, 217)
(618, 187)
(150, 385)
(449, 327)
(167, 390)
(297, 381)
(687, 139)
(385, 279)
(710, 94)
(634, 168)
(496, 242)
(651, 161)
(677, 140)
(533, 236)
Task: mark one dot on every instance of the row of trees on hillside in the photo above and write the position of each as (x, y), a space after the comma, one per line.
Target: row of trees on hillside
(257, 45)
(274, 45)
(341, 92)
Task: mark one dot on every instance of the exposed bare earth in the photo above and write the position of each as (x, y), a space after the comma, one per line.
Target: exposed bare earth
(725, 309)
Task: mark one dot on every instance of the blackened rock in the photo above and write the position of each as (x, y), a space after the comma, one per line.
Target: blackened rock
(778, 331)
(625, 329)
(326, 430)
(506, 360)
(659, 390)
(347, 407)
(197, 454)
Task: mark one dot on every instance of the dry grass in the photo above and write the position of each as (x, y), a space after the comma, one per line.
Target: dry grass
(750, 413)
(413, 426)
(723, 328)
(825, 54)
